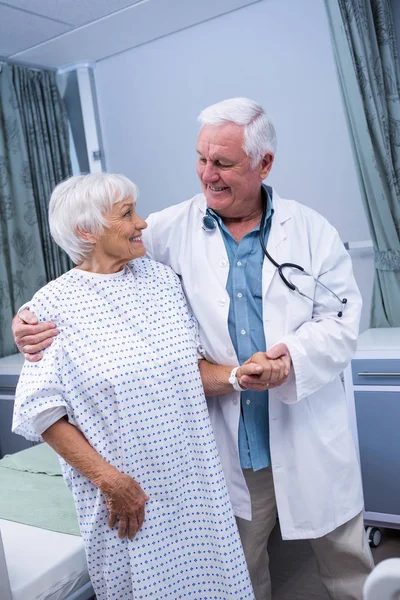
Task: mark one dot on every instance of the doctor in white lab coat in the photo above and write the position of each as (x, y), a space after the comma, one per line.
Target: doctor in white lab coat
(311, 476)
(314, 474)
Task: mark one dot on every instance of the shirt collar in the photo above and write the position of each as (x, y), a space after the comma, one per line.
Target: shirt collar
(266, 193)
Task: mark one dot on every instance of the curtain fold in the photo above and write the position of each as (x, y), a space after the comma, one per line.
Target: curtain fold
(365, 52)
(45, 127)
(34, 157)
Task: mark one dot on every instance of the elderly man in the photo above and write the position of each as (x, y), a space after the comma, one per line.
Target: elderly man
(286, 446)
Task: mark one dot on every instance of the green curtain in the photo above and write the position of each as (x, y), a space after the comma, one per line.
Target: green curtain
(366, 58)
(26, 180)
(45, 126)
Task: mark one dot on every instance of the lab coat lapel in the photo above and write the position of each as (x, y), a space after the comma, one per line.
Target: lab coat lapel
(216, 254)
(278, 242)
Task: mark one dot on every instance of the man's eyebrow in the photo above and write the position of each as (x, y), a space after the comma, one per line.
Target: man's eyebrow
(217, 157)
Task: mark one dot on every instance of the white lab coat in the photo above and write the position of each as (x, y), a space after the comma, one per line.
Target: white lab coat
(315, 468)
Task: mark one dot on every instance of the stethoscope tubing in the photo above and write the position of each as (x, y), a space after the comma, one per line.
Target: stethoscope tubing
(209, 225)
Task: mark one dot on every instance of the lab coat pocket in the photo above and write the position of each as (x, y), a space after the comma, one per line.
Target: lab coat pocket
(329, 412)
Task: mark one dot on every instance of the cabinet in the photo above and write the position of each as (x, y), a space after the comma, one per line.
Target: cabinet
(372, 383)
(10, 368)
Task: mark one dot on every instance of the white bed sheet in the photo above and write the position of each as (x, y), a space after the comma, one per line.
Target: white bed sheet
(42, 565)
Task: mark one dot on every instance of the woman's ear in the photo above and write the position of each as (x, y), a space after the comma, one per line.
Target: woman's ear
(89, 237)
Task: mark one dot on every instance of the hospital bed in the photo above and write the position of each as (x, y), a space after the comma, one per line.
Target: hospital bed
(37, 563)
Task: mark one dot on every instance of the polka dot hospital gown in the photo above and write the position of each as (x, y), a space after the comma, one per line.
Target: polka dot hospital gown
(125, 368)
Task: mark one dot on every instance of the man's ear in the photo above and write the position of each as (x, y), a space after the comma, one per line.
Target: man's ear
(89, 237)
(265, 164)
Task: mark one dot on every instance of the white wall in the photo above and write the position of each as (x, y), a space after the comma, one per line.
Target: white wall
(277, 52)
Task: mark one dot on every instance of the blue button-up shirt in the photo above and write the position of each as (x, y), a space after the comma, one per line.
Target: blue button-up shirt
(245, 321)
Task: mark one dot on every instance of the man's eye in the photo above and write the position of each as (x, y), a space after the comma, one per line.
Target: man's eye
(202, 160)
(222, 165)
(127, 214)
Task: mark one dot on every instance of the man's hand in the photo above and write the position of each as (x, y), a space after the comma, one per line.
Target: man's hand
(276, 364)
(125, 502)
(31, 336)
(280, 351)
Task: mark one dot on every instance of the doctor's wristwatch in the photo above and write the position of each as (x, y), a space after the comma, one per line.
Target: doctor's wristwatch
(234, 380)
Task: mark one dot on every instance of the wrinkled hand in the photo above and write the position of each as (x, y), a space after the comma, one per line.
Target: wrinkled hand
(31, 336)
(275, 363)
(125, 503)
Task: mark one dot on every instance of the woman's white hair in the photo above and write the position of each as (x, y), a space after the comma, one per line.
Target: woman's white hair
(81, 202)
(259, 130)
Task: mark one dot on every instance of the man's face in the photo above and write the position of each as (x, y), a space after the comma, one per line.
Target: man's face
(230, 185)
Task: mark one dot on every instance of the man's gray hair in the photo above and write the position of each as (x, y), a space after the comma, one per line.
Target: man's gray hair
(81, 202)
(259, 130)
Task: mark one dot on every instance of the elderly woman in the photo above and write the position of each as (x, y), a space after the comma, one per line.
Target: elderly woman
(118, 395)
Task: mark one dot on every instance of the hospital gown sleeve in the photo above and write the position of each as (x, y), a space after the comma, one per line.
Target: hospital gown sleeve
(47, 418)
(40, 384)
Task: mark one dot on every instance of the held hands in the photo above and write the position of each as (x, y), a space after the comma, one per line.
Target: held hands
(31, 337)
(125, 503)
(275, 368)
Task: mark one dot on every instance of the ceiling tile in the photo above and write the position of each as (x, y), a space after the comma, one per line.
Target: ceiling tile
(20, 30)
(74, 12)
(131, 27)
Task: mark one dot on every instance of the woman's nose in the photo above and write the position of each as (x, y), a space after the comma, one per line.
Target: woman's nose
(140, 223)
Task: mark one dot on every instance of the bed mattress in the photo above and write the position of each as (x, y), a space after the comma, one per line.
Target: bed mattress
(42, 564)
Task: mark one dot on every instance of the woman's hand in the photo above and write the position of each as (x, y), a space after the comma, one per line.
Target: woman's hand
(124, 496)
(125, 502)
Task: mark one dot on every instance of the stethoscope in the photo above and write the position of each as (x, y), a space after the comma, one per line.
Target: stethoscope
(209, 225)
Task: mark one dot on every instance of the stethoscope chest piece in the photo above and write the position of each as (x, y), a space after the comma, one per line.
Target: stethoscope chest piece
(209, 223)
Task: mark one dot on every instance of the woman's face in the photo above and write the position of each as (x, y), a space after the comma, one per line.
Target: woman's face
(121, 240)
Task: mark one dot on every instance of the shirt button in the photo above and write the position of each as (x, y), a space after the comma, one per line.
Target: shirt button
(248, 401)
(240, 295)
(223, 263)
(243, 332)
(229, 352)
(239, 263)
(222, 302)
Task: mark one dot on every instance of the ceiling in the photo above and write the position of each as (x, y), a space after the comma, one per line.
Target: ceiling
(58, 33)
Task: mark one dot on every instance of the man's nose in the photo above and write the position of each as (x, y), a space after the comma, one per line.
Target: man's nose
(210, 173)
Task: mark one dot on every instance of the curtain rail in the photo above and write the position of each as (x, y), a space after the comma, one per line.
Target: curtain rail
(8, 61)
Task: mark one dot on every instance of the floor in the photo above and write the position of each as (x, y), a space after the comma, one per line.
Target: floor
(294, 570)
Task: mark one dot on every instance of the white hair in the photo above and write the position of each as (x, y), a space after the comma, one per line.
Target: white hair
(81, 202)
(259, 130)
